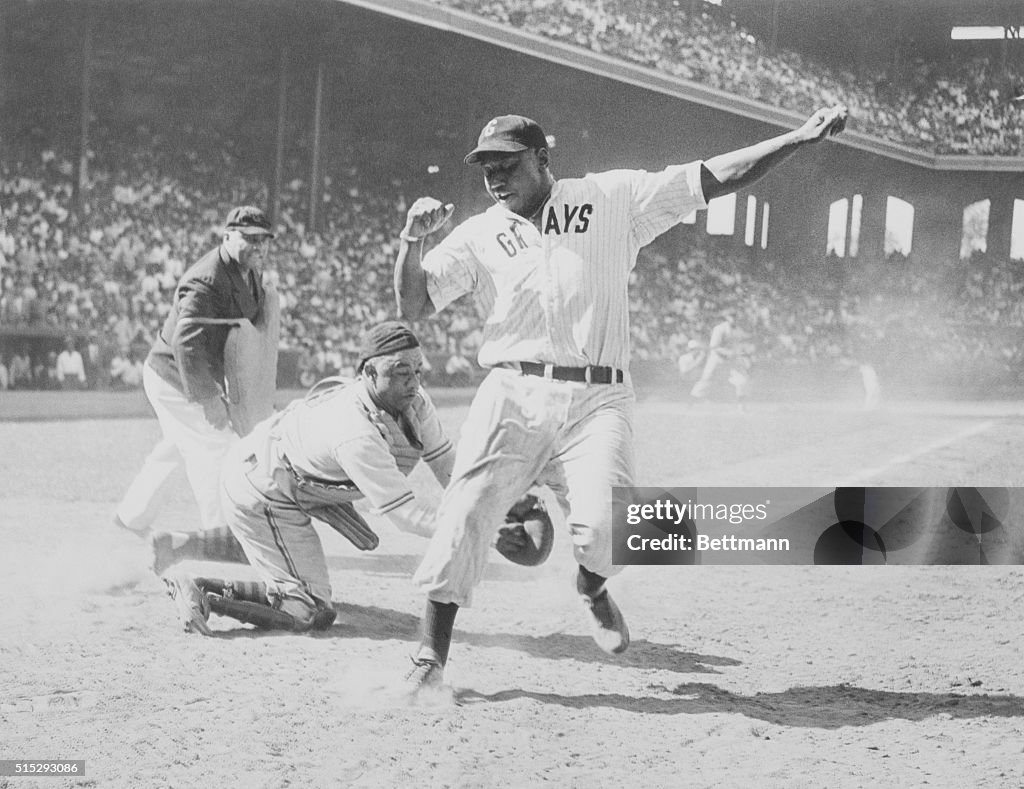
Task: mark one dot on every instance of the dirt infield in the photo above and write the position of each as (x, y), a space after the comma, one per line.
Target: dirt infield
(738, 676)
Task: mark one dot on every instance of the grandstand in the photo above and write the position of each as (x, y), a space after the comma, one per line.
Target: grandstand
(129, 128)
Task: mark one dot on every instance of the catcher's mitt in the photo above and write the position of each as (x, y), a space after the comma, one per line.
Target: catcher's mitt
(344, 519)
(528, 534)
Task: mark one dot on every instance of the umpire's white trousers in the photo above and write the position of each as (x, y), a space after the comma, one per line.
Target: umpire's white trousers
(189, 436)
(146, 494)
(576, 438)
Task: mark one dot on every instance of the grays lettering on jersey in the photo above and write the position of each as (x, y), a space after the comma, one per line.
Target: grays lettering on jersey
(557, 294)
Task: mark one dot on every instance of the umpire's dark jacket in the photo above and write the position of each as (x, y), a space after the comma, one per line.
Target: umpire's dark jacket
(188, 352)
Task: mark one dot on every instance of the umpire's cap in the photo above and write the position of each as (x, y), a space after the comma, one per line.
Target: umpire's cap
(250, 220)
(385, 338)
(508, 134)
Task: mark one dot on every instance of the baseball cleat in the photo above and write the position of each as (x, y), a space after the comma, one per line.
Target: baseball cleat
(323, 619)
(607, 625)
(424, 675)
(164, 555)
(193, 606)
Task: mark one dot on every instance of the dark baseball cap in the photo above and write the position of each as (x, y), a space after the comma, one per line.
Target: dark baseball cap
(384, 339)
(250, 220)
(508, 134)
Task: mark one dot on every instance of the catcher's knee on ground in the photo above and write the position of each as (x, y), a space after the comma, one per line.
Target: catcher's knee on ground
(289, 613)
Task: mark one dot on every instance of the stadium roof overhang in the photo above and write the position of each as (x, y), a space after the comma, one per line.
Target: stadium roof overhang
(473, 26)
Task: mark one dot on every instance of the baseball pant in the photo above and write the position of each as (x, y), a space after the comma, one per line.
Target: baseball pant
(577, 438)
(278, 538)
(703, 385)
(202, 447)
(142, 501)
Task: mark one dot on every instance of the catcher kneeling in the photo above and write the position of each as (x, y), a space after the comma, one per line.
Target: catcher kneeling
(346, 440)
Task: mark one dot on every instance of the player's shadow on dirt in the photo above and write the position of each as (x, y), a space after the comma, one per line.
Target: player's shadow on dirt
(827, 707)
(385, 624)
(382, 623)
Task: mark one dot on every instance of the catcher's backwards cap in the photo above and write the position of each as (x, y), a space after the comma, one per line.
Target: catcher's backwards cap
(385, 338)
(250, 220)
(508, 134)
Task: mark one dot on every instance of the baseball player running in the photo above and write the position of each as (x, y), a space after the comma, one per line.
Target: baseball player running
(691, 362)
(185, 379)
(728, 348)
(549, 262)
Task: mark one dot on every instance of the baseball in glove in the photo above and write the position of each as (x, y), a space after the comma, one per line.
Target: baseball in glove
(527, 536)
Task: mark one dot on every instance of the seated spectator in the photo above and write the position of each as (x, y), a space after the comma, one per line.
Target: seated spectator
(20, 372)
(69, 369)
(5, 380)
(125, 370)
(131, 376)
(44, 371)
(96, 372)
(118, 365)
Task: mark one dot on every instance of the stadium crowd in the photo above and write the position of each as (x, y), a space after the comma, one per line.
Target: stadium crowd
(103, 271)
(961, 107)
(106, 277)
(949, 322)
(107, 274)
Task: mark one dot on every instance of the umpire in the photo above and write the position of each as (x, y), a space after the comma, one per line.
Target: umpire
(184, 373)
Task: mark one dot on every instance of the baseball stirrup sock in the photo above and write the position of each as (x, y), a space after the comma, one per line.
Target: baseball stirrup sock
(588, 583)
(438, 623)
(252, 591)
(215, 545)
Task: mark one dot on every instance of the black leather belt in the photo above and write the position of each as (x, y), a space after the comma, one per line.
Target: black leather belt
(590, 374)
(315, 483)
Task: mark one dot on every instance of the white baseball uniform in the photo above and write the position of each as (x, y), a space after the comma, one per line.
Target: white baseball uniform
(339, 436)
(725, 347)
(554, 294)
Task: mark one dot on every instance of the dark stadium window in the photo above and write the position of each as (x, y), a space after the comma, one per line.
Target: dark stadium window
(899, 226)
(722, 215)
(974, 234)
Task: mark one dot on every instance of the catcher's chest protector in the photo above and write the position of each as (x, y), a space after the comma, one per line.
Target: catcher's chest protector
(402, 435)
(404, 444)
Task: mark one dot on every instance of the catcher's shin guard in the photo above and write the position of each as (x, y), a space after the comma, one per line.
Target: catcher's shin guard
(266, 617)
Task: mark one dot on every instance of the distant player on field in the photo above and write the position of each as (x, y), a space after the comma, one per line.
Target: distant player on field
(691, 362)
(729, 349)
(549, 263)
